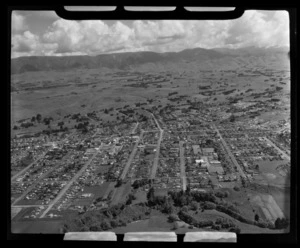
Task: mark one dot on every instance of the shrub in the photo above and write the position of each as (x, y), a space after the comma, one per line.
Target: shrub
(113, 223)
(173, 217)
(184, 209)
(204, 223)
(235, 229)
(209, 205)
(236, 188)
(194, 205)
(281, 223)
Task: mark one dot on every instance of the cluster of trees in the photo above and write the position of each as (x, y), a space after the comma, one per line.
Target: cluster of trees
(106, 111)
(162, 203)
(172, 93)
(119, 183)
(186, 217)
(26, 124)
(281, 223)
(114, 216)
(47, 120)
(140, 183)
(182, 198)
(223, 223)
(221, 194)
(130, 198)
(82, 126)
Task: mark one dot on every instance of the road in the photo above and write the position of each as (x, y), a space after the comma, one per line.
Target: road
(182, 166)
(155, 162)
(28, 167)
(277, 148)
(64, 190)
(131, 157)
(28, 206)
(39, 180)
(135, 127)
(40, 157)
(230, 154)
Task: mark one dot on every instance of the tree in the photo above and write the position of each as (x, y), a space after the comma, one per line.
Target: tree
(184, 209)
(33, 119)
(256, 217)
(167, 207)
(46, 121)
(194, 205)
(113, 223)
(236, 188)
(119, 183)
(105, 225)
(60, 124)
(150, 194)
(95, 228)
(281, 223)
(173, 217)
(39, 117)
(209, 205)
(235, 229)
(243, 181)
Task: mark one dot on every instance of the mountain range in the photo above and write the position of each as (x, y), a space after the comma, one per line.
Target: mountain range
(129, 59)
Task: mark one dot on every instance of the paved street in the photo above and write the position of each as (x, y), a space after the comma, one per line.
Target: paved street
(131, 157)
(28, 167)
(230, 154)
(156, 158)
(182, 166)
(40, 157)
(277, 148)
(64, 190)
(135, 127)
(39, 180)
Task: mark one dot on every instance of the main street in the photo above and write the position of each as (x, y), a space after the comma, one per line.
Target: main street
(182, 165)
(131, 157)
(39, 158)
(230, 153)
(156, 158)
(65, 189)
(31, 187)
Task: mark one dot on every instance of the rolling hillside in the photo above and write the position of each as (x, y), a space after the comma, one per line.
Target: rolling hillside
(129, 60)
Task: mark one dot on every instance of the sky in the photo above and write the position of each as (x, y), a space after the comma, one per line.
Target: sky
(43, 33)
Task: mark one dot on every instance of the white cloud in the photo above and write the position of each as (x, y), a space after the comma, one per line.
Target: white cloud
(17, 22)
(28, 44)
(254, 29)
(87, 36)
(64, 37)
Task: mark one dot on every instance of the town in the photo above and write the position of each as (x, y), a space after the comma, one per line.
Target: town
(192, 146)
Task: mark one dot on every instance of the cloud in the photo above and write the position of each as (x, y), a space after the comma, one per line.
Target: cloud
(17, 22)
(65, 37)
(87, 36)
(255, 29)
(28, 44)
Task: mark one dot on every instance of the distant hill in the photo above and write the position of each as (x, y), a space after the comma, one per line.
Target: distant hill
(127, 60)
